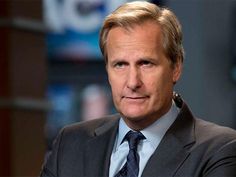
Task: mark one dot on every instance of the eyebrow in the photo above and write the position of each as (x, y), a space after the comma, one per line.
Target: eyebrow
(117, 61)
(147, 59)
(139, 60)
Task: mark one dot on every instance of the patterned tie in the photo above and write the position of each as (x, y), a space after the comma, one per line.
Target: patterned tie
(131, 167)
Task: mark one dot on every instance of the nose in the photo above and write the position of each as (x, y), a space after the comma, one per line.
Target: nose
(134, 81)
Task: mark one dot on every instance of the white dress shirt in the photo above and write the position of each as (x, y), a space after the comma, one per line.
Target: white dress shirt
(154, 134)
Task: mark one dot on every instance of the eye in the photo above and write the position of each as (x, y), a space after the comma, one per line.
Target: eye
(120, 65)
(146, 63)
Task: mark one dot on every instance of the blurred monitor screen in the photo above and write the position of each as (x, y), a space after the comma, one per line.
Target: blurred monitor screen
(74, 27)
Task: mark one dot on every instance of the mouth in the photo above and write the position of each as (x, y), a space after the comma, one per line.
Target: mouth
(134, 98)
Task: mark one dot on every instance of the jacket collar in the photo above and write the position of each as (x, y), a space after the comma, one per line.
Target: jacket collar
(175, 145)
(99, 148)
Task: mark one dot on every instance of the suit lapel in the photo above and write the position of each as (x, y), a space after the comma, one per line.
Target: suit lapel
(99, 148)
(174, 147)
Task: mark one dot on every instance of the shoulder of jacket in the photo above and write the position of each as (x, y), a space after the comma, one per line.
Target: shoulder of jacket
(208, 132)
(86, 127)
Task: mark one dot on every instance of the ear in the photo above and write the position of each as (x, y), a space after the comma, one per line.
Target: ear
(177, 71)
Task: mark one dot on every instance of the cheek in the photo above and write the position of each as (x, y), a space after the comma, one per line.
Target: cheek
(153, 80)
(115, 84)
(159, 82)
(115, 77)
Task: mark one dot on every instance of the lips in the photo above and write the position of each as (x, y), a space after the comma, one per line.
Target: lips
(134, 100)
(135, 97)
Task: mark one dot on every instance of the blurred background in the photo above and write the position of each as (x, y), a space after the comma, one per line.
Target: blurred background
(52, 73)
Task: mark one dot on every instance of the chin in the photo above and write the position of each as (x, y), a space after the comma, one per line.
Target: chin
(134, 116)
(137, 121)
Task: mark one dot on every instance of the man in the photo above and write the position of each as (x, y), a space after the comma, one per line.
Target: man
(142, 47)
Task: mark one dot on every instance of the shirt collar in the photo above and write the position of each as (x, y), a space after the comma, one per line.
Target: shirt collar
(153, 133)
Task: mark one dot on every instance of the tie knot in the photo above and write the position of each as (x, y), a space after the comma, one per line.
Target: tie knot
(133, 139)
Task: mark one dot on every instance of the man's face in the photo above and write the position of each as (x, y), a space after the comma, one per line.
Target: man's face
(140, 75)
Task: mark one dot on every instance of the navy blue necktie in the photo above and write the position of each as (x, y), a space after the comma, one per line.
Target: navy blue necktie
(131, 167)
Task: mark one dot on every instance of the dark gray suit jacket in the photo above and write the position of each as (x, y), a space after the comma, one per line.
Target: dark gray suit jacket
(190, 148)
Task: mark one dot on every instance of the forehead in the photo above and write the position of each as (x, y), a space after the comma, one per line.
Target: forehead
(145, 35)
(146, 28)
